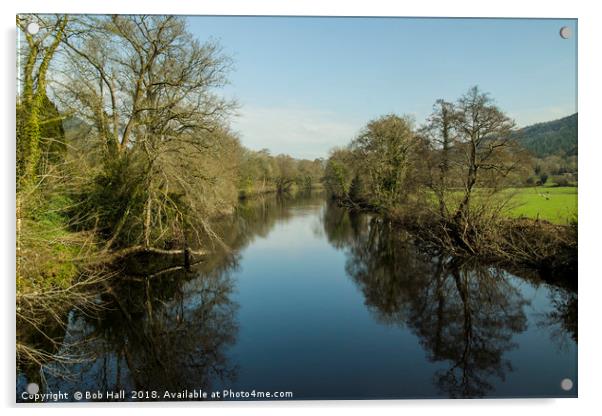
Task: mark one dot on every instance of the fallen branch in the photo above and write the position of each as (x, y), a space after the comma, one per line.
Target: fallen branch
(115, 255)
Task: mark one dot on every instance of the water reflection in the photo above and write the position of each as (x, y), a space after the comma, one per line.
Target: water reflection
(165, 332)
(562, 319)
(160, 334)
(300, 260)
(465, 314)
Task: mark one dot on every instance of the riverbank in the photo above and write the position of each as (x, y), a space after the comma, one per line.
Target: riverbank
(550, 249)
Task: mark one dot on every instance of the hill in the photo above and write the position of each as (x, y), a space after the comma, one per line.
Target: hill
(551, 137)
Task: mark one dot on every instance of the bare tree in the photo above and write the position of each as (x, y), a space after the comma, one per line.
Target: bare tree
(441, 135)
(147, 86)
(488, 150)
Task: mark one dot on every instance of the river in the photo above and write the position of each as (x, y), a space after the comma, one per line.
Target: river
(325, 304)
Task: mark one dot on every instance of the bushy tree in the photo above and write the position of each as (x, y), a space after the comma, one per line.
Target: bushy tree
(386, 151)
(339, 173)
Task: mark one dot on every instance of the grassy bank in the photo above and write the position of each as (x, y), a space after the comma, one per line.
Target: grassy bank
(51, 276)
(555, 204)
(46, 248)
(501, 227)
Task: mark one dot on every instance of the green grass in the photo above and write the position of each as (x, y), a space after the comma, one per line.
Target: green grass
(554, 204)
(47, 247)
(557, 204)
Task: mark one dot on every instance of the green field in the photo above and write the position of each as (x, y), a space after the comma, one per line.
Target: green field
(554, 204)
(557, 204)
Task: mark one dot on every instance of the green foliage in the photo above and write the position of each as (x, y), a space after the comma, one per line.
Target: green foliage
(551, 138)
(385, 151)
(34, 108)
(379, 167)
(52, 132)
(28, 138)
(52, 146)
(47, 248)
(260, 172)
(339, 173)
(111, 200)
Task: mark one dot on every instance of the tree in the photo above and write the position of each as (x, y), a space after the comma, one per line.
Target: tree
(439, 132)
(38, 53)
(385, 150)
(287, 173)
(339, 173)
(489, 154)
(146, 86)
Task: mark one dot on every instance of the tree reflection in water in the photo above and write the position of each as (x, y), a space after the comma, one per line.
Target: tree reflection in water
(465, 314)
(174, 331)
(562, 320)
(169, 332)
(159, 334)
(174, 335)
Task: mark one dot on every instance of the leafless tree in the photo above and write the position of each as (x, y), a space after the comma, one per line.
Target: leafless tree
(440, 133)
(147, 86)
(488, 149)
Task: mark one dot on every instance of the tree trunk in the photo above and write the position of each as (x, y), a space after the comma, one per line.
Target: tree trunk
(147, 222)
(444, 167)
(29, 142)
(471, 179)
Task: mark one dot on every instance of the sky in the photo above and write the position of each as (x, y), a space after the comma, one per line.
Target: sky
(307, 84)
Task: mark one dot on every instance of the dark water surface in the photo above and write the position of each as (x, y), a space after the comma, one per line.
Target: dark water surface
(325, 304)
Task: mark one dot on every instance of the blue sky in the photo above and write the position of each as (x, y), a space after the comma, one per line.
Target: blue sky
(307, 84)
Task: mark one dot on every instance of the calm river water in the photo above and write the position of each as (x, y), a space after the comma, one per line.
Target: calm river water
(325, 304)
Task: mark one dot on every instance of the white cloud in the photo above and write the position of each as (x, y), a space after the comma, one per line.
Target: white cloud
(301, 133)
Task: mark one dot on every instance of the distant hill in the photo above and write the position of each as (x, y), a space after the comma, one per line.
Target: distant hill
(551, 138)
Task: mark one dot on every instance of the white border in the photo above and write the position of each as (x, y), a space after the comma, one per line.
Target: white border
(590, 152)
